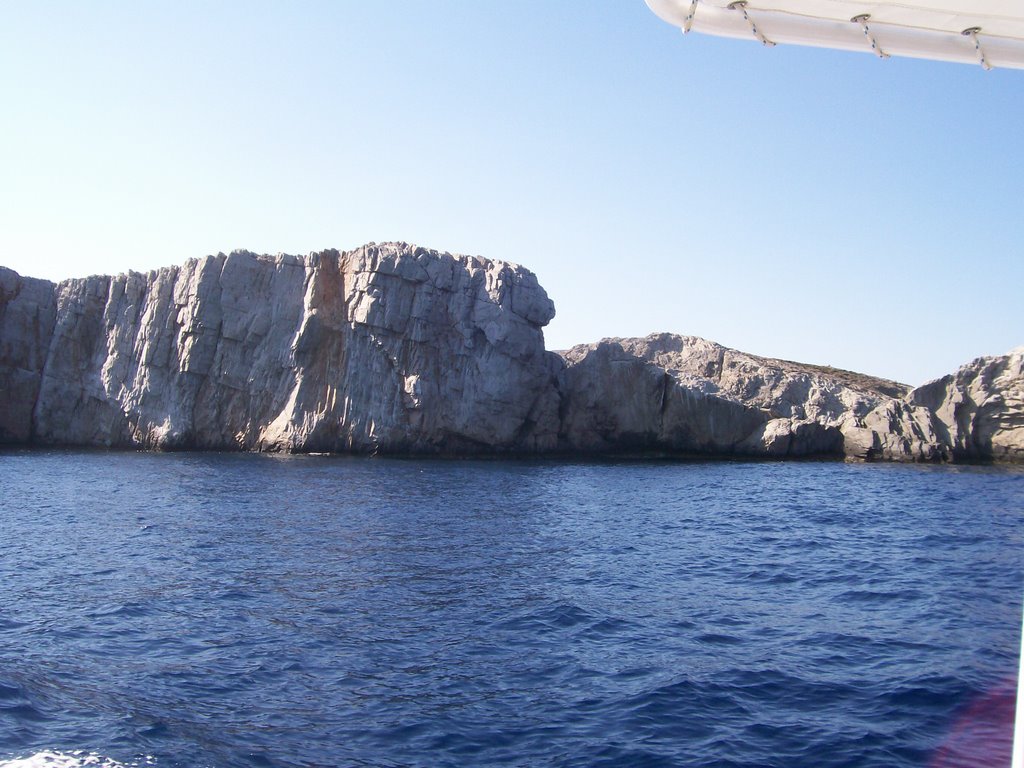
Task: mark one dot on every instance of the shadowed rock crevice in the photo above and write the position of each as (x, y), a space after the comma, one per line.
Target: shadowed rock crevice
(28, 311)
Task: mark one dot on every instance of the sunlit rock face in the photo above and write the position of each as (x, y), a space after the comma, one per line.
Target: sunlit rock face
(979, 410)
(388, 348)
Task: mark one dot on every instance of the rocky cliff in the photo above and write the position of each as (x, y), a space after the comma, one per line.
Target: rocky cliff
(387, 348)
(397, 349)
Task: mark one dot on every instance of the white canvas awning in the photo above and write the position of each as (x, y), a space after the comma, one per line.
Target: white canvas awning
(985, 32)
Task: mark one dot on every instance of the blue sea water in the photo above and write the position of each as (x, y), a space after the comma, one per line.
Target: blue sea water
(235, 610)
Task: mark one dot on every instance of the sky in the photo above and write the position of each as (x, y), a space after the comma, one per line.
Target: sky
(821, 206)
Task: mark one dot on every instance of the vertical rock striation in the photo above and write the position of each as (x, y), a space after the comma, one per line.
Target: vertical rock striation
(387, 348)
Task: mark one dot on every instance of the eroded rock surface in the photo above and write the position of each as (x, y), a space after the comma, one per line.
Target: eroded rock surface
(387, 348)
(683, 393)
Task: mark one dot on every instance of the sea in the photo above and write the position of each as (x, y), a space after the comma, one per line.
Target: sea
(252, 611)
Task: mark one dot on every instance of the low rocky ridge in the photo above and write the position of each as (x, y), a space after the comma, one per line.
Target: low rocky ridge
(397, 349)
(682, 394)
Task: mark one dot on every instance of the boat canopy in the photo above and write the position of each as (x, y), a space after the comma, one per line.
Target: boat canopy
(989, 33)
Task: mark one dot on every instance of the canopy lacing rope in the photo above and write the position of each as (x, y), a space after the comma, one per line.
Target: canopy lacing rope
(741, 5)
(972, 32)
(688, 21)
(863, 21)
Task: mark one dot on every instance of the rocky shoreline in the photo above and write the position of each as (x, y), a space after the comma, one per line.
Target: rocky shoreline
(396, 349)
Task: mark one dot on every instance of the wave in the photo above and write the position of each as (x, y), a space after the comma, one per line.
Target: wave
(75, 759)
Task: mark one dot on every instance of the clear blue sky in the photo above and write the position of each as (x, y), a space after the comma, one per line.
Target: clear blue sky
(815, 205)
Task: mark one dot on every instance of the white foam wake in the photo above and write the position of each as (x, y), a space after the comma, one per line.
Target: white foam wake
(70, 760)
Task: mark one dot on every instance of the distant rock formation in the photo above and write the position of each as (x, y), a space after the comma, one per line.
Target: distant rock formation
(397, 349)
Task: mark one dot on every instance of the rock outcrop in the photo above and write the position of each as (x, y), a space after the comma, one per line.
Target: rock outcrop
(388, 348)
(979, 410)
(397, 349)
(685, 394)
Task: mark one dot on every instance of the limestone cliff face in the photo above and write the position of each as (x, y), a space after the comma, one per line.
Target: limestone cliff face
(397, 349)
(979, 410)
(387, 348)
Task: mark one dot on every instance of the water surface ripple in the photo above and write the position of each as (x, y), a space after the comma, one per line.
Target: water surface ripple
(233, 610)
